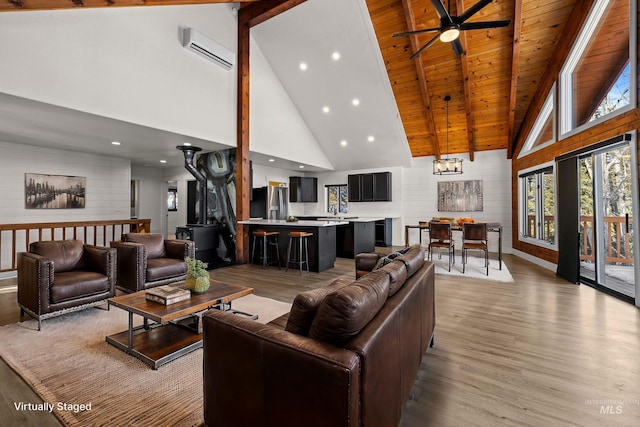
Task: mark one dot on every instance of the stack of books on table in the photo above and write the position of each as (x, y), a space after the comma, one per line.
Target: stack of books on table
(167, 294)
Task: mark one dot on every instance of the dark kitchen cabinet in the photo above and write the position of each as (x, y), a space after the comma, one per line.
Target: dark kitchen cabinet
(367, 190)
(354, 184)
(303, 189)
(370, 187)
(382, 186)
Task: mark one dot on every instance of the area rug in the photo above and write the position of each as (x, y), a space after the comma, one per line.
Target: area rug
(69, 364)
(474, 268)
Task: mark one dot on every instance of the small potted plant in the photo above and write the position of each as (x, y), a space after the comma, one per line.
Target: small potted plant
(197, 280)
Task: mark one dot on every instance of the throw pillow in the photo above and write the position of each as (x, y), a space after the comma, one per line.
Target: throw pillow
(305, 305)
(343, 314)
(397, 275)
(386, 260)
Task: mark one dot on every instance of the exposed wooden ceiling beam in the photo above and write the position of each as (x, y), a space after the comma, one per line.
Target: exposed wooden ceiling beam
(424, 90)
(515, 70)
(466, 89)
(25, 5)
(258, 12)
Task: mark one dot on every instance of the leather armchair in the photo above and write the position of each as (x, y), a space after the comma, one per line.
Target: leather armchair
(146, 260)
(56, 277)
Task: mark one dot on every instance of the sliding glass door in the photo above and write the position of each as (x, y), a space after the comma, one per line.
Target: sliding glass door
(607, 192)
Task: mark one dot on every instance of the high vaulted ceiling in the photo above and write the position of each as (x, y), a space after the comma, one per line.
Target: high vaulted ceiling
(492, 85)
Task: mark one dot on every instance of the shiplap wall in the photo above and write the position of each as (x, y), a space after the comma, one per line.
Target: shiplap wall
(108, 186)
(420, 193)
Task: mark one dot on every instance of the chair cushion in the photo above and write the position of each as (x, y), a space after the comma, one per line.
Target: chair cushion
(154, 242)
(65, 254)
(397, 275)
(413, 259)
(343, 313)
(305, 305)
(164, 268)
(75, 284)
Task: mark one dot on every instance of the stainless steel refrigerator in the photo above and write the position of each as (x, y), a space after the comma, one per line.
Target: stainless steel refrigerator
(277, 202)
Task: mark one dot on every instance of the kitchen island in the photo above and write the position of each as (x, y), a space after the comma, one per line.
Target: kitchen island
(322, 245)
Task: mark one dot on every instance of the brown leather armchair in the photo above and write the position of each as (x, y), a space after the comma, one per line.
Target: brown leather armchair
(56, 277)
(146, 260)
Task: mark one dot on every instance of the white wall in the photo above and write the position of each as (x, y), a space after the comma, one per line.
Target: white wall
(276, 127)
(107, 196)
(125, 63)
(152, 196)
(420, 192)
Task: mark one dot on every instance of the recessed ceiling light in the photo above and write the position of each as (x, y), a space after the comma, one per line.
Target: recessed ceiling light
(301, 166)
(335, 55)
(325, 109)
(272, 160)
(163, 161)
(303, 66)
(371, 138)
(343, 143)
(188, 144)
(355, 101)
(115, 143)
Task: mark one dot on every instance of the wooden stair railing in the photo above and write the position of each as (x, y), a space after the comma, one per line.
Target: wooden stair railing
(16, 238)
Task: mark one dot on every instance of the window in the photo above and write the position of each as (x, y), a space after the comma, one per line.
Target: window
(542, 133)
(594, 82)
(172, 200)
(337, 196)
(537, 206)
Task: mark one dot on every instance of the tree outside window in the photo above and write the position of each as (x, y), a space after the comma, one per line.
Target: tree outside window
(337, 196)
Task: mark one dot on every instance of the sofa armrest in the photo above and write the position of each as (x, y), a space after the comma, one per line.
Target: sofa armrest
(35, 276)
(283, 378)
(131, 271)
(365, 263)
(179, 249)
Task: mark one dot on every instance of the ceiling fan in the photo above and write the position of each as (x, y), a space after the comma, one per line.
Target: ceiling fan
(450, 26)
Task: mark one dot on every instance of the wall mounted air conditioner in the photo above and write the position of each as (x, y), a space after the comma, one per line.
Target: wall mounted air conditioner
(207, 48)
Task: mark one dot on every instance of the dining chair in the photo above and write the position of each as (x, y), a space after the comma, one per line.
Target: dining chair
(474, 237)
(440, 237)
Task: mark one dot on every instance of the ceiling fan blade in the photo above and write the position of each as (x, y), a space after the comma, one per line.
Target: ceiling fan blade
(429, 43)
(473, 10)
(457, 47)
(442, 12)
(411, 33)
(483, 25)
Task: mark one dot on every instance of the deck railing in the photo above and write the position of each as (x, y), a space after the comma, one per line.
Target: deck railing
(16, 238)
(618, 243)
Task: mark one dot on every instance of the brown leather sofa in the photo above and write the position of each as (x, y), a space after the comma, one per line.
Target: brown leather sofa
(146, 260)
(56, 277)
(345, 355)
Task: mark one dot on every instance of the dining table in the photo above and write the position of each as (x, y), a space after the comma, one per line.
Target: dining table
(493, 227)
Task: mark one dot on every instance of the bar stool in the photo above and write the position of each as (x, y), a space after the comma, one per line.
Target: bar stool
(269, 240)
(299, 239)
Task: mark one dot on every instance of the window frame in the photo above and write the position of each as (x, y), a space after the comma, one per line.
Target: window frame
(548, 108)
(341, 205)
(566, 127)
(538, 171)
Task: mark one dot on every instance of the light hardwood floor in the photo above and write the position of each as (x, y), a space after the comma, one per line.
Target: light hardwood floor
(537, 352)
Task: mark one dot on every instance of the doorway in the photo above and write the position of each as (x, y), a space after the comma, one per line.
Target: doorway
(608, 199)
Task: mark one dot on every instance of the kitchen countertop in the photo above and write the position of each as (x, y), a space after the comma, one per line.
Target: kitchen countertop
(300, 223)
(328, 218)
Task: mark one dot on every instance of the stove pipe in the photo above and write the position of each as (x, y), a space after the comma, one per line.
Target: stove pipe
(189, 152)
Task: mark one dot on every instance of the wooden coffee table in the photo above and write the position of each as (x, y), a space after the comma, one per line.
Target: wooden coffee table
(176, 329)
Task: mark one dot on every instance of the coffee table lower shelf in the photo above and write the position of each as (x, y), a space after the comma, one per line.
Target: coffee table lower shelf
(158, 344)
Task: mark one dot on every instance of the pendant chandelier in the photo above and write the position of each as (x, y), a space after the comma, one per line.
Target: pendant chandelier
(447, 166)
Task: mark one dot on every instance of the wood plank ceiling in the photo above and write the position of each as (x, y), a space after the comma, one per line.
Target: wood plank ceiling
(491, 86)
